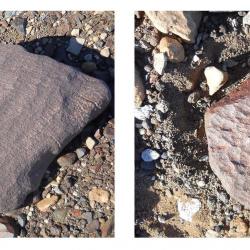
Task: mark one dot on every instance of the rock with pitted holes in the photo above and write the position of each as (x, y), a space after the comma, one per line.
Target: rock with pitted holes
(227, 125)
(43, 105)
(184, 24)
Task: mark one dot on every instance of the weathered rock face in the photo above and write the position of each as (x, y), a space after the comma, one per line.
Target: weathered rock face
(227, 125)
(43, 105)
(182, 23)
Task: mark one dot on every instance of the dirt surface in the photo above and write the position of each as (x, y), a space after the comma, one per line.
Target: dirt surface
(83, 188)
(182, 171)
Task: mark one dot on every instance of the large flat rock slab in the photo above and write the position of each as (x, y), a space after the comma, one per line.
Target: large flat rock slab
(227, 125)
(43, 105)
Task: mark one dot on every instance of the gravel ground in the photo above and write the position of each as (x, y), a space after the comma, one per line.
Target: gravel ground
(77, 192)
(175, 130)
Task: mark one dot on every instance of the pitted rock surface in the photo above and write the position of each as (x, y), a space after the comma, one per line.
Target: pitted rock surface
(227, 126)
(43, 105)
(184, 24)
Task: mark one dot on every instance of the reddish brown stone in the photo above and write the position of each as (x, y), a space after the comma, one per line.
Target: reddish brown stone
(227, 125)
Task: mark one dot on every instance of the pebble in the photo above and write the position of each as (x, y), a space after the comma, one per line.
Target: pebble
(149, 155)
(21, 219)
(67, 160)
(246, 19)
(75, 45)
(93, 226)
(143, 113)
(59, 215)
(187, 208)
(174, 50)
(105, 52)
(223, 197)
(103, 36)
(28, 30)
(46, 203)
(194, 97)
(75, 32)
(90, 143)
(211, 234)
(162, 106)
(88, 216)
(215, 78)
(99, 195)
(201, 183)
(160, 62)
(80, 152)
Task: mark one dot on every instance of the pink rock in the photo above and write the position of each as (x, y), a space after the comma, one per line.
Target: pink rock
(227, 125)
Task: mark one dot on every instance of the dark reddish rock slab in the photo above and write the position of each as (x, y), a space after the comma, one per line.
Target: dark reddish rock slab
(43, 105)
(227, 125)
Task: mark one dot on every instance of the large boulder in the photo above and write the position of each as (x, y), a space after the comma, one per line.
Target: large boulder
(43, 105)
(184, 24)
(227, 125)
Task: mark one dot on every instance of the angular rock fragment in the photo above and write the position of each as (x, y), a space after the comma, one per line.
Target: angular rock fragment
(160, 62)
(184, 24)
(215, 78)
(227, 125)
(43, 105)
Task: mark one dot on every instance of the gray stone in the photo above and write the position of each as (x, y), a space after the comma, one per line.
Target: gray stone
(20, 25)
(75, 45)
(67, 160)
(44, 105)
(184, 24)
(227, 125)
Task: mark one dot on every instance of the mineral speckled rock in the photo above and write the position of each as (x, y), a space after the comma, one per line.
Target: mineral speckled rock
(43, 105)
(182, 23)
(227, 125)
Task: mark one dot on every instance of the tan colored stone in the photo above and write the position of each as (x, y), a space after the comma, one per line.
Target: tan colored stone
(238, 228)
(184, 24)
(46, 203)
(99, 195)
(172, 48)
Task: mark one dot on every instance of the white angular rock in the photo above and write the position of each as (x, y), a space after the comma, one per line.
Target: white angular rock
(160, 62)
(149, 155)
(246, 19)
(75, 32)
(90, 143)
(187, 209)
(215, 78)
(143, 113)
